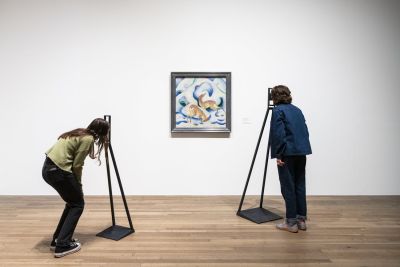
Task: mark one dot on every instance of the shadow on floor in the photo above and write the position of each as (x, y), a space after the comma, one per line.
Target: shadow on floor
(43, 246)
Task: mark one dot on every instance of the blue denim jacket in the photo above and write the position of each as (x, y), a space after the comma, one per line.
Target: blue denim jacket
(288, 133)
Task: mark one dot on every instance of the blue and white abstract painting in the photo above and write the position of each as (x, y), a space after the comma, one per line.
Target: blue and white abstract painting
(200, 103)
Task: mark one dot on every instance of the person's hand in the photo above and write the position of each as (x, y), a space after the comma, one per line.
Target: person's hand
(280, 162)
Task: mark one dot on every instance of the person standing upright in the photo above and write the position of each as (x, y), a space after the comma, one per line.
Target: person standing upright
(289, 139)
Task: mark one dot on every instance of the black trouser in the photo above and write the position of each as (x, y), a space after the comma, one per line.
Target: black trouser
(70, 191)
(292, 176)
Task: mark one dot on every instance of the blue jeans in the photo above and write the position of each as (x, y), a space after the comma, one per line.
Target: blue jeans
(292, 176)
(70, 191)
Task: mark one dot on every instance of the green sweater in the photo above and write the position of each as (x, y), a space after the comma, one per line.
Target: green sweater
(69, 154)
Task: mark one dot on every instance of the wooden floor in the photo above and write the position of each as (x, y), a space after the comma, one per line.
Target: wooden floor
(204, 231)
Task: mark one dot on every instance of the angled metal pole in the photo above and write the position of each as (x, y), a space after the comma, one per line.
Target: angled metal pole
(254, 159)
(265, 173)
(109, 185)
(121, 188)
(270, 107)
(108, 118)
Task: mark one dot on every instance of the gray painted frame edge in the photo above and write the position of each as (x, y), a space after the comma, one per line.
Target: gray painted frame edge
(227, 75)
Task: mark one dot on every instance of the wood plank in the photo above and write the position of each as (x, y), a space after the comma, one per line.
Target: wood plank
(205, 231)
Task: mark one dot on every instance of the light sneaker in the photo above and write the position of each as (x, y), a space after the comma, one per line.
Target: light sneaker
(301, 224)
(287, 227)
(64, 251)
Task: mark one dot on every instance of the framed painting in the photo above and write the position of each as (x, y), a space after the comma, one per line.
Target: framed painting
(201, 102)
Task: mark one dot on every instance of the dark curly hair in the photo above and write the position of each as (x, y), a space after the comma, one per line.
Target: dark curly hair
(280, 94)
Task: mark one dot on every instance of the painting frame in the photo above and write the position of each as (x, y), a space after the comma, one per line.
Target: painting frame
(176, 77)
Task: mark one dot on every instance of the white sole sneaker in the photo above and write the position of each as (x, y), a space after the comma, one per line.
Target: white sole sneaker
(286, 227)
(67, 252)
(53, 248)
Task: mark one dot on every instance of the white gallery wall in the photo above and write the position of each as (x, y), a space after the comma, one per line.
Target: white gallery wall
(64, 63)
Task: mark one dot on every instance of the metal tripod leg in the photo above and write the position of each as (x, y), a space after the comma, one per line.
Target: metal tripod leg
(252, 162)
(121, 189)
(109, 186)
(265, 174)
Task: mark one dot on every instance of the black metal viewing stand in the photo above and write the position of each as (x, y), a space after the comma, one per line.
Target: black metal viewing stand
(115, 232)
(259, 214)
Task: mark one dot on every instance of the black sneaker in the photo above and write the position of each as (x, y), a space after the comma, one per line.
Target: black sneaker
(54, 241)
(64, 251)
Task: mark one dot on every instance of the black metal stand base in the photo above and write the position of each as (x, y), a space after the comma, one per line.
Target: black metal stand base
(116, 232)
(259, 215)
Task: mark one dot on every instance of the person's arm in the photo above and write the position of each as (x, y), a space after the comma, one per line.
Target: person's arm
(278, 135)
(83, 150)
